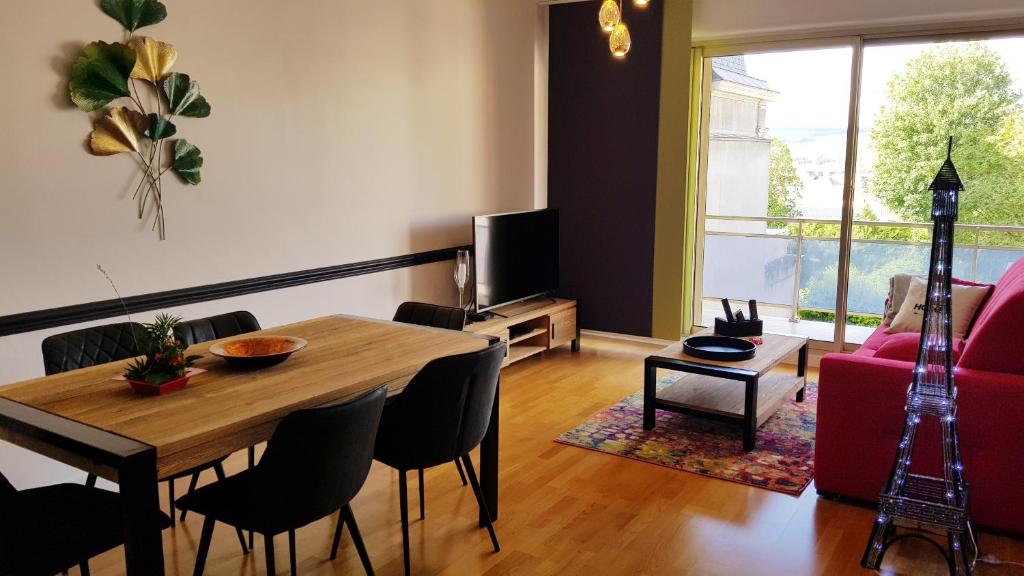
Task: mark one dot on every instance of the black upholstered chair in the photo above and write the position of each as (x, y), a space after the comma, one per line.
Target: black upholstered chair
(440, 417)
(51, 529)
(435, 316)
(216, 327)
(315, 463)
(423, 314)
(90, 347)
(101, 345)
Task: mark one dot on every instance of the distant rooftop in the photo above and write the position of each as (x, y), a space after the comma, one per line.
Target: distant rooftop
(734, 69)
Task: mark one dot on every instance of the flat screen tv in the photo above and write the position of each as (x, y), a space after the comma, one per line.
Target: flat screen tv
(515, 257)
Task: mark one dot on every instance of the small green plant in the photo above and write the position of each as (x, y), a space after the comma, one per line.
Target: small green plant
(165, 358)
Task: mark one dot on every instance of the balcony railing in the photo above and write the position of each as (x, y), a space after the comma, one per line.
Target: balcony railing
(795, 266)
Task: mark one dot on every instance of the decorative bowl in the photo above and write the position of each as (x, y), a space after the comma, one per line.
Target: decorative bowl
(257, 351)
(722, 348)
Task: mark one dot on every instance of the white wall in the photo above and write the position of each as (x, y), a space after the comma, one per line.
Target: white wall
(341, 131)
(714, 19)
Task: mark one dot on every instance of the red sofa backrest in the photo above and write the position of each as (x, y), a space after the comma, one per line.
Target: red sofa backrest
(996, 342)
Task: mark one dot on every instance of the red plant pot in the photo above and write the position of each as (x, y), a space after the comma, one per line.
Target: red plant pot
(166, 388)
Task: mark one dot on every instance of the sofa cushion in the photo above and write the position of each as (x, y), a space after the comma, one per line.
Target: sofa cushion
(967, 301)
(996, 339)
(905, 345)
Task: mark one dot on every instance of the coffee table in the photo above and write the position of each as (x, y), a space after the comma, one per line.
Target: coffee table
(705, 389)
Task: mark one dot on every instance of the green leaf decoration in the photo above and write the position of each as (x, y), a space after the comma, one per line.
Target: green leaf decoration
(187, 161)
(100, 75)
(183, 97)
(160, 128)
(135, 14)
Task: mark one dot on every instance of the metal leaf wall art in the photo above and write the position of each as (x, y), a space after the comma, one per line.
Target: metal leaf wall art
(139, 69)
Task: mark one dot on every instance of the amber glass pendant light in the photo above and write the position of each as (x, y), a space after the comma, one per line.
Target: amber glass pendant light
(641, 3)
(610, 15)
(620, 41)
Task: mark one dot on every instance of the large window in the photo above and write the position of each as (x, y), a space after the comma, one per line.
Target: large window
(787, 220)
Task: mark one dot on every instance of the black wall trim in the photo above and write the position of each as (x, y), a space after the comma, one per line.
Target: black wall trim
(66, 315)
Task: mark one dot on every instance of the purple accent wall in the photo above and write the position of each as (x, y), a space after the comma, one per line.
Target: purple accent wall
(603, 163)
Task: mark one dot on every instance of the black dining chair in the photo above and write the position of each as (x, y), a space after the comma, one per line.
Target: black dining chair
(101, 345)
(214, 328)
(90, 347)
(51, 529)
(423, 314)
(435, 316)
(440, 417)
(315, 463)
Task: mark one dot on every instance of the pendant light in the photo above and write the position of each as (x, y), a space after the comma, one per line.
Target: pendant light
(641, 3)
(610, 15)
(619, 42)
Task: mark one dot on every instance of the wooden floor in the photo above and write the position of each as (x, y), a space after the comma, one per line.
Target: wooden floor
(567, 511)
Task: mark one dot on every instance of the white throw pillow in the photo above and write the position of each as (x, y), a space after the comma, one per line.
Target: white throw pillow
(966, 300)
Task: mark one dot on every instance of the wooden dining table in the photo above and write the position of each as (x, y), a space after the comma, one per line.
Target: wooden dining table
(88, 419)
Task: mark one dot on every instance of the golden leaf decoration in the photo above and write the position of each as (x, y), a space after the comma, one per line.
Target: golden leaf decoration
(117, 132)
(153, 59)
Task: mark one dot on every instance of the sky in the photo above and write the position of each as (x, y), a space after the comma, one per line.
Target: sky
(814, 85)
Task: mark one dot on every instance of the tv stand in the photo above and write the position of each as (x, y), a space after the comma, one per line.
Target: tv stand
(532, 326)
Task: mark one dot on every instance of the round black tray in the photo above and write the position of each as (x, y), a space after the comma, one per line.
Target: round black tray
(722, 348)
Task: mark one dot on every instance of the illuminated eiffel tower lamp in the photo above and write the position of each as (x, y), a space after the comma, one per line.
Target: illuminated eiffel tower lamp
(925, 504)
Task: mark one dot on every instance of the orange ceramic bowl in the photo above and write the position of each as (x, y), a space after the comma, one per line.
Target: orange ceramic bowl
(258, 351)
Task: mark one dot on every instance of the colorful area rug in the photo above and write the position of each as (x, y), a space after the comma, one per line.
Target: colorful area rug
(782, 462)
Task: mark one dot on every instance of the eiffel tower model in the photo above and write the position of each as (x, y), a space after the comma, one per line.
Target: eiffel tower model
(923, 503)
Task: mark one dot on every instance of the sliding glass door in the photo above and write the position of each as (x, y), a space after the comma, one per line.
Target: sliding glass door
(913, 97)
(776, 132)
(814, 168)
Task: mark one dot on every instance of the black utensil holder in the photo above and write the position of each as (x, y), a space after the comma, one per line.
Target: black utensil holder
(739, 329)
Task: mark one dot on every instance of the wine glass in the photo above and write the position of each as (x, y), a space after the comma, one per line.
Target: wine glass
(461, 273)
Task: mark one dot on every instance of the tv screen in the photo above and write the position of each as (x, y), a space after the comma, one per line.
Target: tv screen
(515, 256)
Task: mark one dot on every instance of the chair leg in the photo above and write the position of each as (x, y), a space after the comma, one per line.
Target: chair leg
(204, 546)
(291, 551)
(423, 510)
(403, 498)
(357, 538)
(170, 497)
(268, 543)
(252, 464)
(218, 469)
(191, 488)
(83, 568)
(458, 466)
(337, 534)
(90, 480)
(468, 462)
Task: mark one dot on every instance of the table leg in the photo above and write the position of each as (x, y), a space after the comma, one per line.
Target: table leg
(143, 546)
(489, 463)
(650, 393)
(750, 415)
(801, 372)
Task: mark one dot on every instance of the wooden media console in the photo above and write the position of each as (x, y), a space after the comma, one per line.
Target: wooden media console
(532, 326)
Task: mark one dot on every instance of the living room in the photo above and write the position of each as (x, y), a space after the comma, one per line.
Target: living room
(410, 199)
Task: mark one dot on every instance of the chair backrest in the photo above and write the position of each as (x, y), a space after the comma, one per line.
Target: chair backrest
(318, 459)
(433, 315)
(216, 327)
(444, 411)
(90, 346)
(6, 489)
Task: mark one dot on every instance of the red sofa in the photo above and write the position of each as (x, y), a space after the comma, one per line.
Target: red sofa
(861, 399)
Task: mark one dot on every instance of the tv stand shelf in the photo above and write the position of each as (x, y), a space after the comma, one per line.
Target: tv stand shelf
(532, 326)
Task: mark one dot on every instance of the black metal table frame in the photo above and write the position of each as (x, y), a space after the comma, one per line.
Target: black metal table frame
(132, 465)
(749, 378)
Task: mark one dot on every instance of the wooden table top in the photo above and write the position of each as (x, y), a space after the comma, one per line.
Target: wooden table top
(774, 349)
(227, 409)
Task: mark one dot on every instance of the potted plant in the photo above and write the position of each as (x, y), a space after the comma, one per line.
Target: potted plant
(164, 366)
